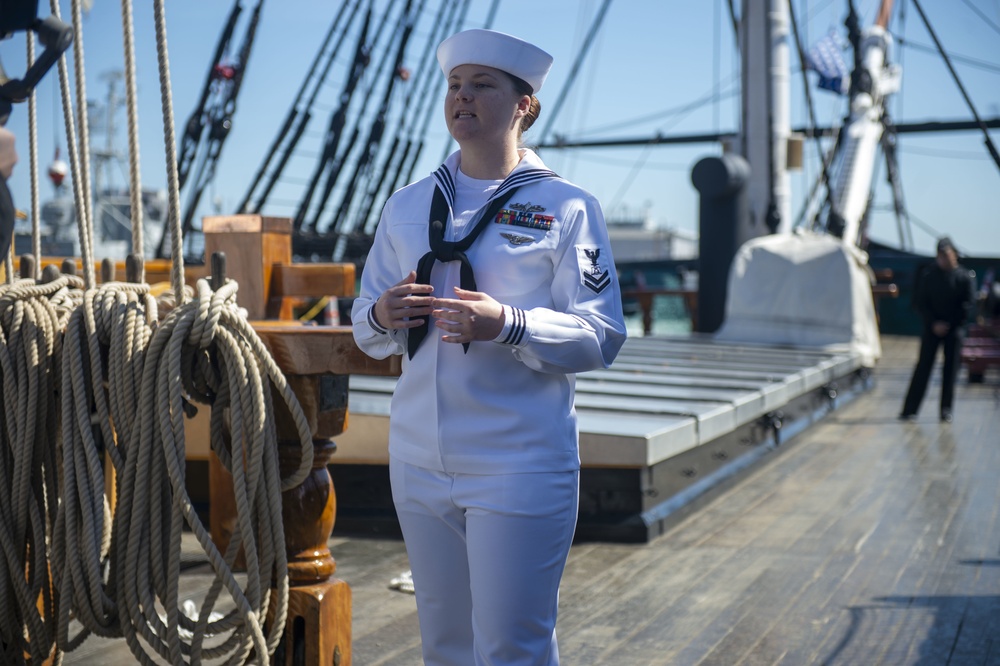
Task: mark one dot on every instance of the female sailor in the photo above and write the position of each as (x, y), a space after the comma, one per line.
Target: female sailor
(511, 266)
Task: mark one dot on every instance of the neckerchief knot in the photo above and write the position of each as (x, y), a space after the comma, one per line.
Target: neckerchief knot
(447, 251)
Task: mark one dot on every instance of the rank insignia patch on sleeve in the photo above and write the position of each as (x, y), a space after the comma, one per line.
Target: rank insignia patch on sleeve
(594, 269)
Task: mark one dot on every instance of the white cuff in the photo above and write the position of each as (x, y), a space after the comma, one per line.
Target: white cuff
(515, 327)
(378, 328)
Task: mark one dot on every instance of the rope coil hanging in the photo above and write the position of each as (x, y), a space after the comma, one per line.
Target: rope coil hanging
(206, 348)
(114, 322)
(104, 342)
(126, 381)
(31, 317)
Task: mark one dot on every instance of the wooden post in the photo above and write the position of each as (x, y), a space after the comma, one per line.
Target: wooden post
(317, 362)
(318, 626)
(253, 245)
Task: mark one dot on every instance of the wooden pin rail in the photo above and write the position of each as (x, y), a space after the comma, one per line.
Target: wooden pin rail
(317, 362)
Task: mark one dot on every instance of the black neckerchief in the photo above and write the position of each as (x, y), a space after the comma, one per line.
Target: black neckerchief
(444, 251)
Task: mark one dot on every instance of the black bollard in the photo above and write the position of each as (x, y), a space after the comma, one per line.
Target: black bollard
(724, 225)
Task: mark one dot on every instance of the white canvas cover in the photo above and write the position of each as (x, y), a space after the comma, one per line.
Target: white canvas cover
(802, 289)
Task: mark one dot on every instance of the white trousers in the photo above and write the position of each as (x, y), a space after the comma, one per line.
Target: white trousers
(487, 553)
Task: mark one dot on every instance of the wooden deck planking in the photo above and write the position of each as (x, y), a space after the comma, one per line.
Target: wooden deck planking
(862, 541)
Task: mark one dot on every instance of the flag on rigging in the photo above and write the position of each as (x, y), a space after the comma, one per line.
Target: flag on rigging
(825, 58)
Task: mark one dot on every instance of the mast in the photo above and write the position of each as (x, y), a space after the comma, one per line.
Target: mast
(872, 81)
(764, 32)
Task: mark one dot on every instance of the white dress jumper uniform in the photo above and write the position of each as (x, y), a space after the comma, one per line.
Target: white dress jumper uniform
(483, 441)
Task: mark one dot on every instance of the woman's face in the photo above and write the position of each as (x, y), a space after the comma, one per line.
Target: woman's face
(482, 106)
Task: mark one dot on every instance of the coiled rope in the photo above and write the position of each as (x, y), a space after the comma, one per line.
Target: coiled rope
(81, 572)
(115, 322)
(106, 341)
(31, 316)
(206, 348)
(126, 382)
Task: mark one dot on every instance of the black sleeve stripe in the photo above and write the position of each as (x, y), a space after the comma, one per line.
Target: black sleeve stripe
(374, 324)
(517, 328)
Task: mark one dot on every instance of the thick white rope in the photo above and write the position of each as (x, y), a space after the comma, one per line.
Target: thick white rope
(32, 315)
(170, 148)
(135, 177)
(206, 346)
(115, 322)
(83, 524)
(31, 318)
(104, 348)
(36, 214)
(80, 194)
(84, 218)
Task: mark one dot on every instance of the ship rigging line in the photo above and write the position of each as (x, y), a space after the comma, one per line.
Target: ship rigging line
(195, 126)
(296, 115)
(377, 128)
(984, 17)
(333, 177)
(947, 61)
(965, 60)
(328, 161)
(425, 74)
(562, 143)
(220, 119)
(575, 70)
(217, 118)
(825, 160)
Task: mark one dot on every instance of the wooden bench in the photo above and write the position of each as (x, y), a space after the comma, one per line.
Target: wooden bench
(981, 350)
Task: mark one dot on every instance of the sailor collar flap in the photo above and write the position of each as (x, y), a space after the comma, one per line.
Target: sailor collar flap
(441, 211)
(529, 170)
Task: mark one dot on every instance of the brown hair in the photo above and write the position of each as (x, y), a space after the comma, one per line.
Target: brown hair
(521, 87)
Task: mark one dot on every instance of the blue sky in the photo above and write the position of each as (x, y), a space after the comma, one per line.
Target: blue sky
(651, 61)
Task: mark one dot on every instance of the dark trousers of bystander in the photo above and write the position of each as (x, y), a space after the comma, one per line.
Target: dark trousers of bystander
(952, 344)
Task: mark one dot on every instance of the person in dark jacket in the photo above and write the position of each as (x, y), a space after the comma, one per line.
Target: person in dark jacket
(944, 297)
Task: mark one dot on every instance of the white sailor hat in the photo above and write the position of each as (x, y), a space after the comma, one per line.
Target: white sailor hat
(495, 49)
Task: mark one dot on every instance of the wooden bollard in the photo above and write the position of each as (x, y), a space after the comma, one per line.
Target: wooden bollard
(317, 362)
(318, 627)
(107, 270)
(27, 267)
